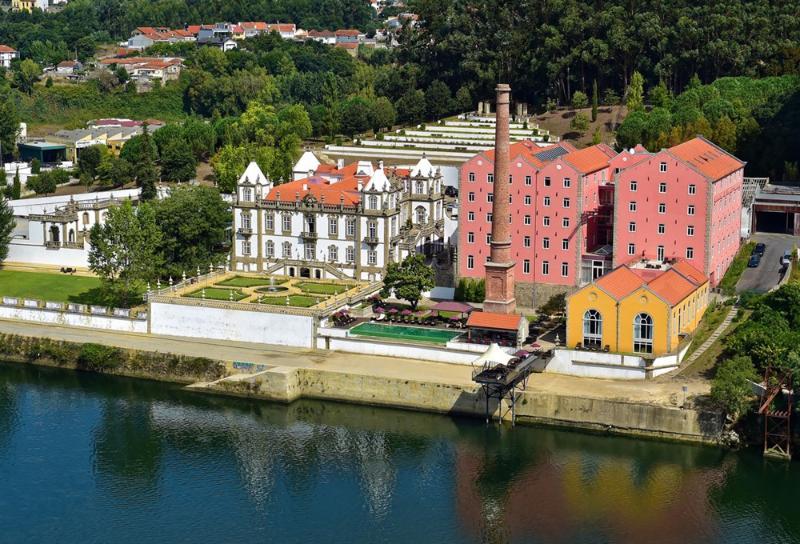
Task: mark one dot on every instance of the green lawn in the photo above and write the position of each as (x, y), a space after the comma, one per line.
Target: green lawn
(322, 288)
(51, 287)
(216, 293)
(244, 281)
(298, 301)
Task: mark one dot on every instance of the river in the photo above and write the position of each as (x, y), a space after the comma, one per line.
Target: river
(89, 458)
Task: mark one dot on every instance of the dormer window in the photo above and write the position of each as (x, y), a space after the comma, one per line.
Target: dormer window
(420, 188)
(247, 194)
(373, 202)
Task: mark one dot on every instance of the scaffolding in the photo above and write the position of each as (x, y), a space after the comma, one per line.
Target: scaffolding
(504, 381)
(776, 406)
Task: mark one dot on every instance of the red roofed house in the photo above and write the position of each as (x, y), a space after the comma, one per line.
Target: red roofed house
(684, 202)
(337, 221)
(7, 54)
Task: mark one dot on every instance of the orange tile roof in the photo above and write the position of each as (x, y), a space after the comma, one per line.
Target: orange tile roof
(690, 272)
(7, 49)
(490, 320)
(590, 159)
(620, 282)
(671, 286)
(710, 160)
(528, 150)
(344, 189)
(347, 32)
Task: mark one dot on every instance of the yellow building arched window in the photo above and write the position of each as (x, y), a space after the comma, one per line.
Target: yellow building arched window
(592, 329)
(643, 334)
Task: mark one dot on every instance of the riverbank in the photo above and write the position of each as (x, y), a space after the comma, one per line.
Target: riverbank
(642, 409)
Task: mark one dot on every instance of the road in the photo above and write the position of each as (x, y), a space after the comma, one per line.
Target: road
(662, 391)
(767, 275)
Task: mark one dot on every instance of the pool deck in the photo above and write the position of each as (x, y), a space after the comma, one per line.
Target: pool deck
(407, 383)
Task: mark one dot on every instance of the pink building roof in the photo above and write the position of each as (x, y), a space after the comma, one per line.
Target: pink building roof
(710, 160)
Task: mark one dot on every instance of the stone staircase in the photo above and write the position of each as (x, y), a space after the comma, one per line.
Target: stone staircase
(714, 336)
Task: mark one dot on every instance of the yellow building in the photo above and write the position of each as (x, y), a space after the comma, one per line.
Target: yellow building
(644, 309)
(23, 5)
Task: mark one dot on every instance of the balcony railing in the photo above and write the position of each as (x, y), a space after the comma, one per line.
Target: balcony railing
(372, 240)
(309, 235)
(247, 231)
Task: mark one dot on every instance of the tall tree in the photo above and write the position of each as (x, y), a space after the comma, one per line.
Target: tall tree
(26, 75)
(6, 227)
(146, 170)
(595, 101)
(408, 279)
(178, 163)
(636, 93)
(9, 124)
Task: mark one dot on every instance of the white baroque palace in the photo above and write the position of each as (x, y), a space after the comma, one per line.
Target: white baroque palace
(338, 221)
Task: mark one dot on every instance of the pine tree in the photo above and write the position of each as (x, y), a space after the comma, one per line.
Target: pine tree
(595, 101)
(16, 188)
(6, 227)
(147, 172)
(636, 93)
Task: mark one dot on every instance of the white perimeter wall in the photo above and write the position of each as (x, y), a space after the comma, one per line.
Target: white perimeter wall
(234, 325)
(40, 315)
(595, 364)
(337, 340)
(38, 254)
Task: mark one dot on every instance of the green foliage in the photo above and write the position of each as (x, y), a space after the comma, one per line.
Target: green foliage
(26, 75)
(438, 100)
(408, 279)
(579, 123)
(16, 187)
(411, 107)
(178, 163)
(97, 357)
(47, 181)
(9, 123)
(636, 93)
(36, 166)
(659, 95)
(595, 101)
(579, 100)
(115, 172)
(731, 388)
(90, 158)
(145, 169)
(228, 165)
(7, 223)
(735, 270)
(470, 290)
(557, 304)
(610, 97)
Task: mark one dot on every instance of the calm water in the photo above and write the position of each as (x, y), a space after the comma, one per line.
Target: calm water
(86, 458)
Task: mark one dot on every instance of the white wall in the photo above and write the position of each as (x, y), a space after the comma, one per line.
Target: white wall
(28, 206)
(40, 315)
(234, 325)
(38, 254)
(595, 364)
(329, 339)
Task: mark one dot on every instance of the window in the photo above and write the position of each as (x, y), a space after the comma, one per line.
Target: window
(547, 201)
(489, 197)
(690, 230)
(372, 229)
(662, 208)
(85, 218)
(372, 257)
(592, 329)
(510, 178)
(269, 249)
(488, 217)
(662, 187)
(422, 215)
(690, 210)
(373, 202)
(547, 181)
(333, 226)
(286, 250)
(526, 266)
(662, 167)
(488, 239)
(527, 200)
(490, 178)
(662, 228)
(545, 268)
(269, 221)
(631, 249)
(632, 226)
(566, 202)
(471, 196)
(470, 216)
(546, 243)
(564, 270)
(470, 262)
(526, 241)
(690, 253)
(286, 221)
(350, 226)
(246, 221)
(632, 206)
(643, 333)
(526, 220)
(546, 221)
(310, 251)
(472, 176)
(333, 254)
(565, 243)
(634, 186)
(247, 194)
(565, 222)
(692, 189)
(246, 247)
(470, 237)
(528, 180)
(350, 254)
(660, 253)
(567, 183)
(420, 188)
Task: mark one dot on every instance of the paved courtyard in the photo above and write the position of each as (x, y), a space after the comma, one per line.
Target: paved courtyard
(767, 275)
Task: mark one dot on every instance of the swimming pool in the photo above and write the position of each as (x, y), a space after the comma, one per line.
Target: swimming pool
(402, 332)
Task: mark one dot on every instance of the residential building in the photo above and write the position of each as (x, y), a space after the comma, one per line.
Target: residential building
(148, 68)
(7, 54)
(341, 221)
(29, 5)
(69, 67)
(646, 308)
(287, 31)
(348, 35)
(328, 37)
(684, 202)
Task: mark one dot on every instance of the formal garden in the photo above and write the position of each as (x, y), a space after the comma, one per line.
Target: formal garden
(53, 287)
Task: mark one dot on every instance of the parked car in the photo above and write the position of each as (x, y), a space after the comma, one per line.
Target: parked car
(755, 260)
(450, 191)
(759, 249)
(787, 257)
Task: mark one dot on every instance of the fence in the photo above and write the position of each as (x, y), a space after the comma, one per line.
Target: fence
(73, 314)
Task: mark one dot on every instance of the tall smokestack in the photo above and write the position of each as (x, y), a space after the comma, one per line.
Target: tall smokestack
(500, 270)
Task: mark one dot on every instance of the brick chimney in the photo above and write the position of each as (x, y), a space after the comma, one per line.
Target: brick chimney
(500, 270)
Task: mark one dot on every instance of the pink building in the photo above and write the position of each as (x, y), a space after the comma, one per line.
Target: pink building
(683, 202)
(561, 201)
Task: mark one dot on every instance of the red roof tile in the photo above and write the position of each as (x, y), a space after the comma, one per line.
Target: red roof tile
(490, 320)
(671, 286)
(710, 160)
(7, 49)
(690, 272)
(620, 282)
(590, 159)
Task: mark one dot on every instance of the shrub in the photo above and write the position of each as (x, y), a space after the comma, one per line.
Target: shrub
(731, 389)
(98, 357)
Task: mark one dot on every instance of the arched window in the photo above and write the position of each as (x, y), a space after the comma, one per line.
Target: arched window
(592, 329)
(643, 334)
(71, 236)
(85, 218)
(421, 215)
